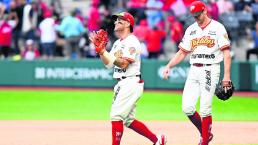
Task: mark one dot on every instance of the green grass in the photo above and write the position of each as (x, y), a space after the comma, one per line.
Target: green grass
(90, 105)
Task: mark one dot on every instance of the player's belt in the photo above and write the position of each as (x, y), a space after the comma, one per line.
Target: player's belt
(123, 77)
(201, 64)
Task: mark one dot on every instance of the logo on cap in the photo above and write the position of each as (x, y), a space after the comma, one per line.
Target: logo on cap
(126, 16)
(197, 6)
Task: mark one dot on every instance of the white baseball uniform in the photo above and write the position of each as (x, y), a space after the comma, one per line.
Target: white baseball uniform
(205, 46)
(129, 87)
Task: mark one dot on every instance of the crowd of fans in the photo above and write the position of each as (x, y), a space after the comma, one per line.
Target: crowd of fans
(34, 29)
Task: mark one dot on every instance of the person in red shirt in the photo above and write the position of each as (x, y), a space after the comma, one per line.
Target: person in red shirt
(176, 30)
(94, 16)
(154, 42)
(142, 30)
(213, 9)
(5, 36)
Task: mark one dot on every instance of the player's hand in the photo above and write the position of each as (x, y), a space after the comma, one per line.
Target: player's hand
(166, 72)
(99, 39)
(226, 83)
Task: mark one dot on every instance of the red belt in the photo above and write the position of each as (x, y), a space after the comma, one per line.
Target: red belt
(200, 64)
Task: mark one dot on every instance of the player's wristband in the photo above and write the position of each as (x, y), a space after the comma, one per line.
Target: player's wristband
(111, 59)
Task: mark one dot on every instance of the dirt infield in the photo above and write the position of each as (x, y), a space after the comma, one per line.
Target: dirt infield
(99, 133)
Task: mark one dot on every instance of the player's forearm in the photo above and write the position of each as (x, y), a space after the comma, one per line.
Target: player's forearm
(227, 64)
(180, 56)
(104, 59)
(107, 58)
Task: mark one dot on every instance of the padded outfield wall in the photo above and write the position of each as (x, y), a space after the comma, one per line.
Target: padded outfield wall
(92, 73)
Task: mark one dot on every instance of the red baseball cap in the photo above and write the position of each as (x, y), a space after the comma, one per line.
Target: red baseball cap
(197, 7)
(125, 16)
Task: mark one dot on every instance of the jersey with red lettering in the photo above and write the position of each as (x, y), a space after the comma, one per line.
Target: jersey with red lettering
(129, 49)
(205, 44)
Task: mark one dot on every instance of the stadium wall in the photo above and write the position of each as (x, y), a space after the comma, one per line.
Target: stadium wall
(92, 73)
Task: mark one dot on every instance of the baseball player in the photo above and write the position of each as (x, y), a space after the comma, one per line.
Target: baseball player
(124, 57)
(207, 42)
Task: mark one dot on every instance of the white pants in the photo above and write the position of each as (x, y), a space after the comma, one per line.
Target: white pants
(201, 82)
(126, 94)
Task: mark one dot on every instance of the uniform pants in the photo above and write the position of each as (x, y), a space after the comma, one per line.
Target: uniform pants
(126, 94)
(201, 82)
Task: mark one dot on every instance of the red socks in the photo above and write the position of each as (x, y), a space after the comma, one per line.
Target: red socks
(206, 129)
(142, 129)
(203, 125)
(197, 121)
(117, 132)
(137, 126)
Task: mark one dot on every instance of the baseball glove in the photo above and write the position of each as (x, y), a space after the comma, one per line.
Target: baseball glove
(224, 90)
(100, 39)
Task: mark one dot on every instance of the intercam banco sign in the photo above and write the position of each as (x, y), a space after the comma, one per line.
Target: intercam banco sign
(69, 73)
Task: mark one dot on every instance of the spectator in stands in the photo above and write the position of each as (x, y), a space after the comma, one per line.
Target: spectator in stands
(2, 9)
(137, 9)
(120, 7)
(153, 12)
(107, 3)
(154, 42)
(225, 6)
(30, 52)
(72, 29)
(94, 20)
(5, 36)
(213, 9)
(17, 35)
(179, 8)
(40, 8)
(167, 4)
(254, 7)
(78, 15)
(142, 30)
(13, 17)
(254, 36)
(176, 30)
(242, 5)
(48, 36)
(28, 23)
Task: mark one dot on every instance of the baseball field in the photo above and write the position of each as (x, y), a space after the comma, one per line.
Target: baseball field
(45, 116)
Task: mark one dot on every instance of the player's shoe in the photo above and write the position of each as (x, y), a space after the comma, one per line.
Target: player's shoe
(210, 138)
(162, 140)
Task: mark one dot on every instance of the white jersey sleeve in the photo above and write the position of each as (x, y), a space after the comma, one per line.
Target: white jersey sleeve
(185, 44)
(223, 40)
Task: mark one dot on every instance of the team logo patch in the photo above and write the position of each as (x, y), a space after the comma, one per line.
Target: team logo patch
(203, 41)
(132, 50)
(118, 54)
